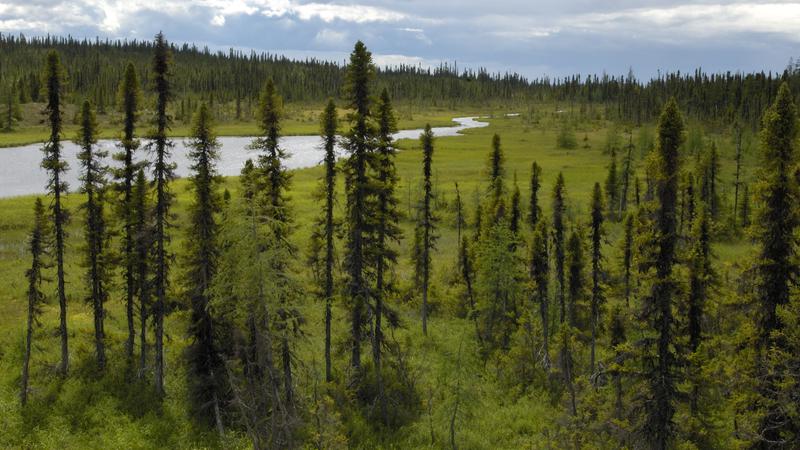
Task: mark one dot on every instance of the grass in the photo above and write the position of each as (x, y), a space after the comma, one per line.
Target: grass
(85, 411)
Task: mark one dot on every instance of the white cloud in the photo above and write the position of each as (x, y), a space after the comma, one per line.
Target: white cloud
(218, 20)
(331, 38)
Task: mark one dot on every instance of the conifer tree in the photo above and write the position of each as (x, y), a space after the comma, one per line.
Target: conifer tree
(461, 221)
(387, 230)
(661, 395)
(163, 169)
(329, 123)
(38, 246)
(496, 174)
(535, 211)
(627, 256)
(515, 214)
(202, 250)
(359, 142)
(776, 267)
(428, 221)
(710, 178)
(617, 331)
(627, 173)
(559, 241)
(93, 175)
(54, 164)
(612, 186)
(142, 233)
(597, 270)
(744, 211)
(129, 99)
(700, 277)
(539, 272)
(273, 181)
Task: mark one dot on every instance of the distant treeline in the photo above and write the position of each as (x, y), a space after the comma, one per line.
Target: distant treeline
(95, 68)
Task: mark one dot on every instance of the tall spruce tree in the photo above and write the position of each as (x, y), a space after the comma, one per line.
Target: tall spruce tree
(55, 165)
(662, 392)
(427, 221)
(142, 233)
(387, 231)
(38, 244)
(700, 278)
(539, 271)
(598, 296)
(612, 186)
(359, 142)
(163, 169)
(202, 250)
(93, 176)
(129, 100)
(627, 256)
(559, 242)
(329, 123)
(776, 267)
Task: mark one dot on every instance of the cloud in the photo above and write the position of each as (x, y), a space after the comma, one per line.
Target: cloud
(331, 38)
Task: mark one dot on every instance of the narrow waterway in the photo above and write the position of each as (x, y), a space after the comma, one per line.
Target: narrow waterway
(21, 173)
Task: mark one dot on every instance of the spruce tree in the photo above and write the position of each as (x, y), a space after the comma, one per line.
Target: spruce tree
(387, 231)
(329, 123)
(559, 241)
(598, 297)
(56, 186)
(661, 395)
(428, 221)
(461, 221)
(38, 245)
(161, 146)
(515, 214)
(539, 271)
(776, 267)
(93, 176)
(496, 175)
(612, 186)
(142, 233)
(700, 278)
(129, 99)
(627, 256)
(535, 211)
(202, 250)
(359, 142)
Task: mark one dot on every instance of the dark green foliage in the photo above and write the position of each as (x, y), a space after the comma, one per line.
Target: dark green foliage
(496, 180)
(427, 221)
(596, 237)
(387, 233)
(627, 255)
(97, 259)
(700, 279)
(129, 100)
(322, 238)
(710, 180)
(202, 250)
(535, 211)
(626, 177)
(142, 229)
(359, 142)
(559, 208)
(160, 146)
(539, 272)
(515, 215)
(660, 363)
(776, 269)
(38, 245)
(56, 187)
(575, 262)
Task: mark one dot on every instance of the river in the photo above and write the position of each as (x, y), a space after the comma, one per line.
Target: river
(21, 173)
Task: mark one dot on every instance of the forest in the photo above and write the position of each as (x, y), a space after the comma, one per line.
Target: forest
(610, 263)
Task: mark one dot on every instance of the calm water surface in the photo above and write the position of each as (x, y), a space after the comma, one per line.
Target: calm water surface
(21, 174)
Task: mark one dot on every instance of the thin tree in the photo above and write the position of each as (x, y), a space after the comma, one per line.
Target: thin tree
(627, 255)
(359, 142)
(163, 169)
(737, 183)
(539, 272)
(461, 221)
(612, 185)
(37, 245)
(329, 125)
(700, 277)
(142, 232)
(428, 221)
(535, 211)
(56, 186)
(387, 217)
(559, 240)
(597, 270)
(201, 266)
(129, 99)
(93, 175)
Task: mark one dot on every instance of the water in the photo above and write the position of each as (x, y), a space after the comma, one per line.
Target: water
(21, 173)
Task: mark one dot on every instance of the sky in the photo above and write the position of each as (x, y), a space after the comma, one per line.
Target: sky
(531, 37)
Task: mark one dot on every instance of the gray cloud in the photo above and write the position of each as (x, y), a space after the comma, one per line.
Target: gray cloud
(558, 37)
